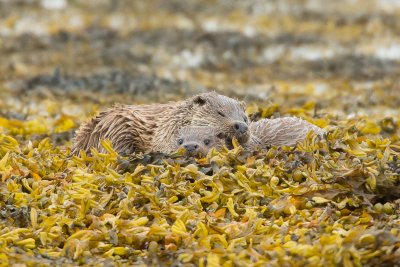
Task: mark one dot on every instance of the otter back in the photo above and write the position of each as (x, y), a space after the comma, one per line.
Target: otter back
(287, 131)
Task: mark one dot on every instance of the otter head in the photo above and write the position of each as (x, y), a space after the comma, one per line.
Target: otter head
(198, 140)
(227, 115)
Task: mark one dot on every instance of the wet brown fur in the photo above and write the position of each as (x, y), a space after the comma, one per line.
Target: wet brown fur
(134, 128)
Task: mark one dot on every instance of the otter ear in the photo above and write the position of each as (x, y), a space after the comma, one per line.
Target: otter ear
(221, 136)
(199, 100)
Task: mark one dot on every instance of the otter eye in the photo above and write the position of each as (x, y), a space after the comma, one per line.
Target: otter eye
(207, 142)
(220, 113)
(180, 141)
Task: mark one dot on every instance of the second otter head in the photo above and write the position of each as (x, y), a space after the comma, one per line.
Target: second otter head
(224, 113)
(198, 140)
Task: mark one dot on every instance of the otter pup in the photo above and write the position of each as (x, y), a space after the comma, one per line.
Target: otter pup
(198, 140)
(153, 128)
(286, 131)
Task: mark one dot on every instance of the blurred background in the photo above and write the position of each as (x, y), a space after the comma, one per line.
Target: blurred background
(62, 60)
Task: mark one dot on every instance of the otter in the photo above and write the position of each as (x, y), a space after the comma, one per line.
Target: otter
(153, 128)
(198, 140)
(287, 131)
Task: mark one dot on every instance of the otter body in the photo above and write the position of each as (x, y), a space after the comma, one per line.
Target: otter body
(264, 133)
(287, 131)
(145, 128)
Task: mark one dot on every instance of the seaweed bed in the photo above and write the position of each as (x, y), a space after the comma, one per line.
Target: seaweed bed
(329, 202)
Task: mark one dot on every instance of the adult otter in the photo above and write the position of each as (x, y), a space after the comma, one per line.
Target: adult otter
(132, 128)
(287, 131)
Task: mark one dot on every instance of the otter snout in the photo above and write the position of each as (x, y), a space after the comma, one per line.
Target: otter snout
(191, 147)
(240, 128)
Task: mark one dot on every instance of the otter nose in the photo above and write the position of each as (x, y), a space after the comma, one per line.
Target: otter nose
(191, 147)
(240, 127)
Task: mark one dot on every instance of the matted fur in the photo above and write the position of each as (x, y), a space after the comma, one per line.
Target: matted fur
(134, 128)
(287, 131)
